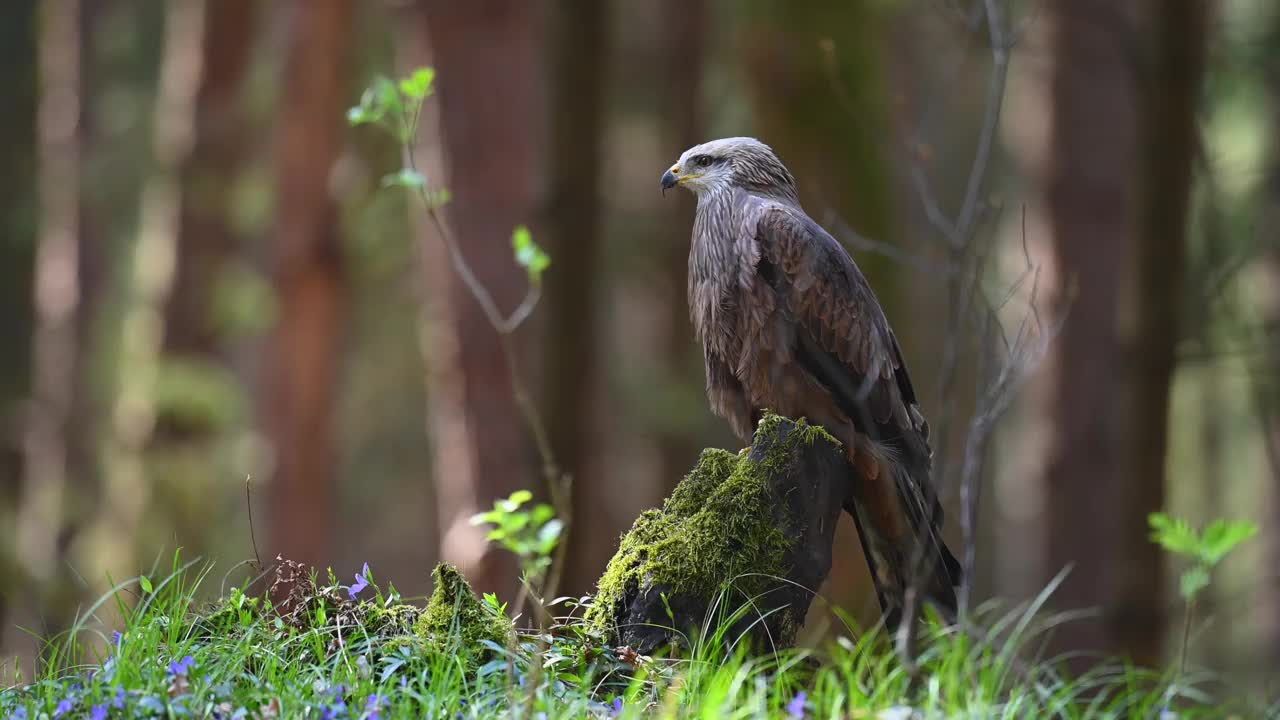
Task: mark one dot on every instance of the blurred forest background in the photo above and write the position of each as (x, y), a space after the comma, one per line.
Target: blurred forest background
(202, 280)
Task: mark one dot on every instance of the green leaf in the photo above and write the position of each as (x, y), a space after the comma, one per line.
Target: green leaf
(490, 516)
(417, 85)
(406, 178)
(528, 255)
(1193, 581)
(145, 582)
(1174, 534)
(549, 535)
(542, 513)
(386, 97)
(517, 499)
(380, 100)
(1221, 537)
(359, 115)
(436, 198)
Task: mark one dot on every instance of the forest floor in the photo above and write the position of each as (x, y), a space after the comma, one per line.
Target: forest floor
(298, 646)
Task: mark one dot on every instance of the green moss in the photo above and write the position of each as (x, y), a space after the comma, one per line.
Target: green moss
(719, 525)
(455, 621)
(393, 620)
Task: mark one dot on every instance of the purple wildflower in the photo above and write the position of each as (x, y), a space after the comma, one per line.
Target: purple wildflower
(362, 582)
(20, 714)
(373, 706)
(795, 708)
(618, 706)
(64, 707)
(118, 702)
(99, 712)
(183, 666)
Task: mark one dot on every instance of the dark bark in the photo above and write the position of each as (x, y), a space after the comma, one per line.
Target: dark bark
(18, 217)
(485, 113)
(206, 238)
(808, 482)
(1087, 183)
(818, 93)
(1268, 383)
(1169, 133)
(48, 436)
(578, 31)
(307, 269)
(682, 55)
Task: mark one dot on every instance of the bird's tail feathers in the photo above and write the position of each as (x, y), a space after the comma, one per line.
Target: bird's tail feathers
(902, 554)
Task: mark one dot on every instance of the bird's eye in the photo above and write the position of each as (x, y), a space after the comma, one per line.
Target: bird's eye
(702, 160)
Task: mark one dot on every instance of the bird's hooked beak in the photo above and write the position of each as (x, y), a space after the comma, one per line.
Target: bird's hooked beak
(669, 179)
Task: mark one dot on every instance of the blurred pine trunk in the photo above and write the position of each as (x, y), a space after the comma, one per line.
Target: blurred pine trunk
(1086, 179)
(682, 56)
(19, 215)
(147, 280)
(308, 271)
(816, 81)
(207, 241)
(1150, 327)
(478, 139)
(50, 424)
(578, 54)
(1268, 382)
(201, 404)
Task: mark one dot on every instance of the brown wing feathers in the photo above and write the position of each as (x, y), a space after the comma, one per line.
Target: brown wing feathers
(842, 341)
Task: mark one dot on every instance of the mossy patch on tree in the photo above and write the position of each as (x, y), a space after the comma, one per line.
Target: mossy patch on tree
(456, 621)
(721, 525)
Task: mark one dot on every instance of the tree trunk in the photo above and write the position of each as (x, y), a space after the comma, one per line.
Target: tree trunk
(300, 369)
(818, 93)
(748, 533)
(49, 427)
(578, 31)
(1171, 98)
(1268, 383)
(148, 281)
(206, 239)
(478, 138)
(47, 443)
(681, 55)
(18, 218)
(1086, 181)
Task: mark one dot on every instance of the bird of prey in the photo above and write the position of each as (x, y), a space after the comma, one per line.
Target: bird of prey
(787, 322)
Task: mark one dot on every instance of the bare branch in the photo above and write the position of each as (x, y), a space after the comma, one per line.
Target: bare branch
(558, 483)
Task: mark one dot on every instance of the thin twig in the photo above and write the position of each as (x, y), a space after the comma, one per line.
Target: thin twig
(557, 482)
(248, 504)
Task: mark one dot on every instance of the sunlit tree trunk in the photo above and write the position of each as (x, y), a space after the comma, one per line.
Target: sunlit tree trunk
(478, 138)
(578, 30)
(1150, 325)
(109, 547)
(307, 270)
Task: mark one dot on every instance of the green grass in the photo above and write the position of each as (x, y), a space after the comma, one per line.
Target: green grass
(318, 654)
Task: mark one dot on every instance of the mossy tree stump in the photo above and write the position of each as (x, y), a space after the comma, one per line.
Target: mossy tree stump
(750, 532)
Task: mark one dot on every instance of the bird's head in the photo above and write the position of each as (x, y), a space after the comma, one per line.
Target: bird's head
(745, 162)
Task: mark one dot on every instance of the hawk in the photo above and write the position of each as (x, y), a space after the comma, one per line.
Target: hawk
(788, 322)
